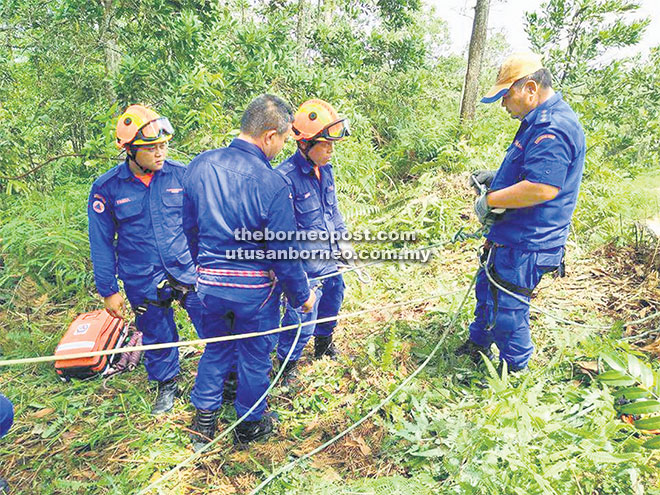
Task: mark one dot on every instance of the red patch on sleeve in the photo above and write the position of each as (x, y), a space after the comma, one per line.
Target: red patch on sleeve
(544, 136)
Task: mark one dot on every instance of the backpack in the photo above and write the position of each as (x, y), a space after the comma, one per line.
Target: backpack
(93, 331)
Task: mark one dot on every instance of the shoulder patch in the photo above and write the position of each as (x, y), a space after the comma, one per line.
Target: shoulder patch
(544, 117)
(98, 206)
(544, 136)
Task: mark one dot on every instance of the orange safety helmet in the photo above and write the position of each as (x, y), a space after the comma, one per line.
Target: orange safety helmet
(140, 125)
(316, 120)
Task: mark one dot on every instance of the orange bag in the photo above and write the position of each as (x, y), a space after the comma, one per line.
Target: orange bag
(94, 331)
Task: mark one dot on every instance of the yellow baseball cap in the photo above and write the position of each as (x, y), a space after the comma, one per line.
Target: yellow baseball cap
(515, 67)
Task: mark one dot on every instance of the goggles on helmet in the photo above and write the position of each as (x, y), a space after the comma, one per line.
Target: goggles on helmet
(335, 131)
(154, 130)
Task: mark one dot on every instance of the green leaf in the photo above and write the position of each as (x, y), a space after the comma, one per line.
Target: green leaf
(648, 423)
(653, 443)
(601, 457)
(437, 452)
(648, 377)
(613, 362)
(556, 469)
(632, 393)
(634, 366)
(616, 378)
(641, 407)
(640, 370)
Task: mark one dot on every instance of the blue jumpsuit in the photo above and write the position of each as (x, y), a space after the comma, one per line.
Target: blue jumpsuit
(315, 207)
(229, 191)
(136, 232)
(6, 415)
(549, 148)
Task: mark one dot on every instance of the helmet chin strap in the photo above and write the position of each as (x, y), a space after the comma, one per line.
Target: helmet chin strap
(133, 156)
(305, 152)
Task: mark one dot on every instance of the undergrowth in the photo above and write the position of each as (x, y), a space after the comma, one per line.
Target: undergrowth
(457, 429)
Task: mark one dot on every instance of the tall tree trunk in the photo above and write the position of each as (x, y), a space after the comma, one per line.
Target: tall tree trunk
(300, 32)
(477, 46)
(110, 47)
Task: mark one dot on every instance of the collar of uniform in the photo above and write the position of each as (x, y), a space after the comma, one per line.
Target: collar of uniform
(125, 171)
(542, 112)
(301, 162)
(253, 149)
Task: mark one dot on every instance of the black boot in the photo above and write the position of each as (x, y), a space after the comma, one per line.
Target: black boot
(250, 431)
(469, 348)
(290, 373)
(204, 424)
(4, 487)
(229, 390)
(167, 392)
(323, 346)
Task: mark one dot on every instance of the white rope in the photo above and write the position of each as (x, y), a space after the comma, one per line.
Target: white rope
(387, 399)
(227, 431)
(556, 317)
(226, 338)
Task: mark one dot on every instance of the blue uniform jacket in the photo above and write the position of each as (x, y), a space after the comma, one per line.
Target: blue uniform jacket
(137, 231)
(315, 206)
(549, 148)
(229, 191)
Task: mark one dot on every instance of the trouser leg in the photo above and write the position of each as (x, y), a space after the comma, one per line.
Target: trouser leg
(521, 271)
(254, 363)
(157, 327)
(479, 333)
(330, 304)
(193, 307)
(216, 361)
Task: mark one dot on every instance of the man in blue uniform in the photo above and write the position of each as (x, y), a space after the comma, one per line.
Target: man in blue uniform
(537, 185)
(316, 127)
(233, 199)
(136, 232)
(6, 420)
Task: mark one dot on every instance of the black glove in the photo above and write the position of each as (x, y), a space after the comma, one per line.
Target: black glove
(481, 179)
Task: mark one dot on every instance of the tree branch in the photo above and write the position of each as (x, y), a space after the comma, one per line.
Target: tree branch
(43, 164)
